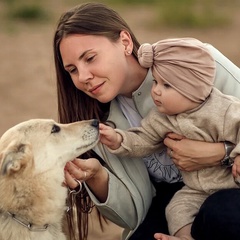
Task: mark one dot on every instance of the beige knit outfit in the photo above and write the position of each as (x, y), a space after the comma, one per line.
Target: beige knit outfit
(216, 120)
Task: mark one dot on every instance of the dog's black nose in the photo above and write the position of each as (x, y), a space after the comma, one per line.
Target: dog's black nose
(95, 123)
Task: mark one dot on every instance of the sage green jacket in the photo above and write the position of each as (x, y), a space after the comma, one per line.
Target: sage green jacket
(130, 189)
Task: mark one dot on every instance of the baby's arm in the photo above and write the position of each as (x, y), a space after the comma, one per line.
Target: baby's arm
(109, 137)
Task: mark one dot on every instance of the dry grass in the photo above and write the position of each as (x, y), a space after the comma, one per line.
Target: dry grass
(27, 85)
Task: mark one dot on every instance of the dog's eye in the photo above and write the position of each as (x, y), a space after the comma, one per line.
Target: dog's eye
(55, 129)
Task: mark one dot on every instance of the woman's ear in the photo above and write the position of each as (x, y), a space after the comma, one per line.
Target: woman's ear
(126, 40)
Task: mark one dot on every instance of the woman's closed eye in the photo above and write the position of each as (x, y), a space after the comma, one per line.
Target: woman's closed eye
(90, 58)
(71, 70)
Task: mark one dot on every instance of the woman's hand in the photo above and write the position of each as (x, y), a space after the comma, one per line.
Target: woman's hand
(236, 168)
(89, 171)
(191, 155)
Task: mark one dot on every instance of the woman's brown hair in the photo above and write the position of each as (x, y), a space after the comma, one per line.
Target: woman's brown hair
(73, 104)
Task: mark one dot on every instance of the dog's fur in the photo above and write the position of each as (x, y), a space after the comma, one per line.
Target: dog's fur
(32, 159)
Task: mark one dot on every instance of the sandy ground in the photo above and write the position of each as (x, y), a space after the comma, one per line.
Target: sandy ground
(27, 84)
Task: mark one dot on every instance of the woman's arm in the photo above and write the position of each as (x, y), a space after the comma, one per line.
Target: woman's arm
(129, 195)
(108, 193)
(191, 155)
(122, 193)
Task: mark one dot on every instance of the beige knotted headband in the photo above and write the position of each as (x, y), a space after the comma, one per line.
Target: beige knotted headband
(184, 63)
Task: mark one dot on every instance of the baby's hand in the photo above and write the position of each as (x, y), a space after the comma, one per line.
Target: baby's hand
(109, 136)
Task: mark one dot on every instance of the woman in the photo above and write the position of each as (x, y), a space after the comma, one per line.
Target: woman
(98, 76)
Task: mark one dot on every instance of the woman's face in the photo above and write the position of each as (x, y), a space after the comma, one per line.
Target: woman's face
(97, 66)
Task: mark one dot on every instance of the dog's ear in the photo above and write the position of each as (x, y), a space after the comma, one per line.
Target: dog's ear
(14, 158)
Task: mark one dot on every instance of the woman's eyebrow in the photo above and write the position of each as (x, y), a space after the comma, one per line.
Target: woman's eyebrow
(84, 53)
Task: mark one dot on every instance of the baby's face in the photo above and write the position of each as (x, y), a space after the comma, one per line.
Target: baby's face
(168, 100)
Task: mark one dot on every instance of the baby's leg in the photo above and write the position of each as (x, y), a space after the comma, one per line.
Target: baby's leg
(183, 234)
(182, 210)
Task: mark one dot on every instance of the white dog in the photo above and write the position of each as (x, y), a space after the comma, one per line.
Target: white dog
(32, 159)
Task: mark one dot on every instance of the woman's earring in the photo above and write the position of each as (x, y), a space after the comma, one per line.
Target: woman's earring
(128, 52)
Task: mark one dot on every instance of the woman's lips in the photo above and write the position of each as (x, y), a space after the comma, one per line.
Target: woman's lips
(96, 89)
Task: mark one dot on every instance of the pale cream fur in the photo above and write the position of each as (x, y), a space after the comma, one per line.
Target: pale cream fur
(32, 159)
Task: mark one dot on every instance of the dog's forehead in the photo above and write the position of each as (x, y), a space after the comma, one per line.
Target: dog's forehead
(27, 127)
(34, 124)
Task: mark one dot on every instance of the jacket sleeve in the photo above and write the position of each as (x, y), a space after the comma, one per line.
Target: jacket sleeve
(130, 191)
(227, 78)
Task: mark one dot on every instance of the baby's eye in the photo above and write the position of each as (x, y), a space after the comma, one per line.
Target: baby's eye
(166, 85)
(154, 81)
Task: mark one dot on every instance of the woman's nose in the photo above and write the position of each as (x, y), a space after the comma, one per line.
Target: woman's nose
(84, 75)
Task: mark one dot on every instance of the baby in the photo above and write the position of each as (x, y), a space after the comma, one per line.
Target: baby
(187, 104)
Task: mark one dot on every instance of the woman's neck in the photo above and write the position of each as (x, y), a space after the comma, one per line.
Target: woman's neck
(135, 79)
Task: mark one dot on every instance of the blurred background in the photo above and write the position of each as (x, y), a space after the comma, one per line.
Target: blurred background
(27, 83)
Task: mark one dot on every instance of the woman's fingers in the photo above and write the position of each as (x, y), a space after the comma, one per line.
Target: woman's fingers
(73, 172)
(70, 180)
(175, 136)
